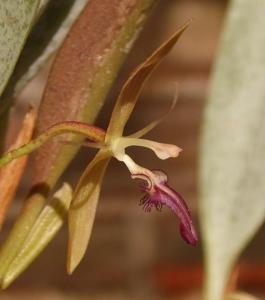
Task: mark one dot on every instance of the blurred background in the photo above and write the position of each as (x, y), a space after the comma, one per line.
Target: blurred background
(133, 254)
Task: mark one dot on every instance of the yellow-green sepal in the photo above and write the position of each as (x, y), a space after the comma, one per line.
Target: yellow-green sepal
(83, 208)
(133, 86)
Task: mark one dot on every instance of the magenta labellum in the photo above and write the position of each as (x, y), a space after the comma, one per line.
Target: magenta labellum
(157, 193)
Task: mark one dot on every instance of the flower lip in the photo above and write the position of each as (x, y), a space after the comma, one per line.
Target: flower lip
(192, 238)
(159, 194)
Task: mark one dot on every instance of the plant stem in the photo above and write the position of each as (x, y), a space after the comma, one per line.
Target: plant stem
(91, 132)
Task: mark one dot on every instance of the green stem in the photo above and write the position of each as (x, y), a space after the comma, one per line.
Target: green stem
(93, 133)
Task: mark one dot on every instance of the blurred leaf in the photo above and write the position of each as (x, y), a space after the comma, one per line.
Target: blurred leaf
(10, 175)
(45, 38)
(133, 86)
(44, 229)
(232, 181)
(83, 209)
(48, 35)
(12, 245)
(16, 18)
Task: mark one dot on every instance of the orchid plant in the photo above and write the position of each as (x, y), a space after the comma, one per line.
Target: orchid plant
(112, 143)
(83, 71)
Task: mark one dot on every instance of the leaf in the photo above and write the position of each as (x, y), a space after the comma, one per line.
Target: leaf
(10, 175)
(133, 86)
(67, 12)
(91, 132)
(44, 229)
(15, 239)
(232, 164)
(16, 20)
(83, 209)
(48, 33)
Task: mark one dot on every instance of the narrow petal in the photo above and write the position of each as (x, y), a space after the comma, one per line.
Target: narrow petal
(83, 209)
(162, 150)
(152, 125)
(10, 175)
(133, 86)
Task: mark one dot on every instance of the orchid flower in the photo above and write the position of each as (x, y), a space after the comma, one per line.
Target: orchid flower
(112, 143)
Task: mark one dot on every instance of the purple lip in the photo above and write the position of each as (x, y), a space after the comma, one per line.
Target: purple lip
(160, 194)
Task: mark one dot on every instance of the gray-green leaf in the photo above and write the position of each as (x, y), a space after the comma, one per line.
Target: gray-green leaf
(53, 41)
(16, 18)
(46, 37)
(232, 180)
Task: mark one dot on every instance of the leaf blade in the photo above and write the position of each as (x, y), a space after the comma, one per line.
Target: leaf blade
(44, 229)
(45, 38)
(17, 18)
(15, 239)
(232, 182)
